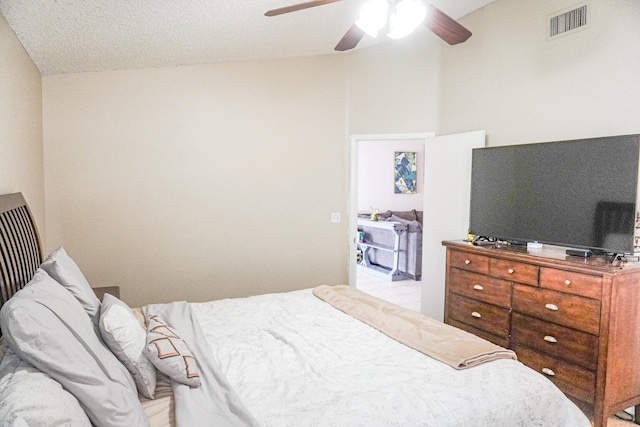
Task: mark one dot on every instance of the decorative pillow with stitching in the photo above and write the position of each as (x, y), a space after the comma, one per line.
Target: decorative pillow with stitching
(65, 271)
(123, 334)
(170, 353)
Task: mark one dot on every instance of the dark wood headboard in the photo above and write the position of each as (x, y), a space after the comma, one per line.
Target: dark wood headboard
(20, 249)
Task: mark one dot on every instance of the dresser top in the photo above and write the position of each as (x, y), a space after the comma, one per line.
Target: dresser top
(551, 256)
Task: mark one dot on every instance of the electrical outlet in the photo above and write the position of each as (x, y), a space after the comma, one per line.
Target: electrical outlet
(335, 217)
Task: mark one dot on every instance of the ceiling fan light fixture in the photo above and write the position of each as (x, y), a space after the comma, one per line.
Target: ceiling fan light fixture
(405, 17)
(373, 16)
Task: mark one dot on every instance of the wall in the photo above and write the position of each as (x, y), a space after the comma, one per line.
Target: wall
(509, 80)
(376, 176)
(21, 157)
(200, 182)
(254, 154)
(394, 87)
(215, 181)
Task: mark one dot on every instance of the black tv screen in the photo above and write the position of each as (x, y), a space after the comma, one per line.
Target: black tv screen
(578, 193)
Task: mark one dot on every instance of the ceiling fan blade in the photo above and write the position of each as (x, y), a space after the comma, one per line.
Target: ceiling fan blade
(445, 27)
(351, 39)
(295, 7)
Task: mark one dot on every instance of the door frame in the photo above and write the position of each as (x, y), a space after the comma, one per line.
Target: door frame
(352, 204)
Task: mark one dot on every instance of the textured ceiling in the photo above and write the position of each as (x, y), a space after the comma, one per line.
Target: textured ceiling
(67, 36)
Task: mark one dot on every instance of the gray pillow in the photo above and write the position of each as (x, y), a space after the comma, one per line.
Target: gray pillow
(420, 216)
(412, 226)
(65, 271)
(394, 218)
(3, 348)
(32, 398)
(406, 215)
(48, 328)
(127, 339)
(384, 215)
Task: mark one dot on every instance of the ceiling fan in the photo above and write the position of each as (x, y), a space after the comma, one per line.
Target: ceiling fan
(400, 17)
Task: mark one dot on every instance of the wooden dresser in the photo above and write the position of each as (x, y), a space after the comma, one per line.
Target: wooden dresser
(575, 320)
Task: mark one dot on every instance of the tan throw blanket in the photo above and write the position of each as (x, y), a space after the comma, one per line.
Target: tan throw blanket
(450, 345)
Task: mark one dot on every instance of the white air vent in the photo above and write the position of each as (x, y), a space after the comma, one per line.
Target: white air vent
(568, 21)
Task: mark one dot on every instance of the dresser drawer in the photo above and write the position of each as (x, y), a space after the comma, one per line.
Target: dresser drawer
(470, 262)
(480, 287)
(502, 342)
(569, 310)
(571, 345)
(571, 379)
(486, 317)
(574, 283)
(514, 271)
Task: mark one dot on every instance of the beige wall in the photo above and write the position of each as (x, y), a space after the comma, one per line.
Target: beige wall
(394, 87)
(21, 163)
(200, 182)
(211, 181)
(376, 176)
(509, 80)
(214, 181)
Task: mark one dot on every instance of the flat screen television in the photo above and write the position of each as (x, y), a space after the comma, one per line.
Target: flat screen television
(577, 193)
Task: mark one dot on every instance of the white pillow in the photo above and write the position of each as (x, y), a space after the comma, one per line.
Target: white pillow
(65, 271)
(126, 338)
(32, 398)
(170, 353)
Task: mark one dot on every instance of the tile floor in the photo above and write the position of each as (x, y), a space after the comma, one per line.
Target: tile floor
(405, 293)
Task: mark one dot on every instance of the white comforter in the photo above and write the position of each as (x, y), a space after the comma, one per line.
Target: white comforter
(296, 361)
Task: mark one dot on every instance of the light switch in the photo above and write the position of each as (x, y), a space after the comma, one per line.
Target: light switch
(335, 217)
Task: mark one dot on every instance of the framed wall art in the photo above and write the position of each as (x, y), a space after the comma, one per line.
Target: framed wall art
(405, 172)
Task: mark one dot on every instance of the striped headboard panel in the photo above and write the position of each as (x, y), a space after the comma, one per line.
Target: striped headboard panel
(20, 251)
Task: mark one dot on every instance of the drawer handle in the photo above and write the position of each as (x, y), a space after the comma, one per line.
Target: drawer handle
(476, 314)
(511, 271)
(552, 307)
(467, 261)
(478, 287)
(548, 371)
(549, 338)
(567, 282)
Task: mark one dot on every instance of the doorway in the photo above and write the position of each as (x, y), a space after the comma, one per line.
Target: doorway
(373, 189)
(447, 178)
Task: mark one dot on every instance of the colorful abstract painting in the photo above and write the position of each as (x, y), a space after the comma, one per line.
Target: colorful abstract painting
(405, 175)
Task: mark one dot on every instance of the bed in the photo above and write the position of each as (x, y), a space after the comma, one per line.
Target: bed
(328, 356)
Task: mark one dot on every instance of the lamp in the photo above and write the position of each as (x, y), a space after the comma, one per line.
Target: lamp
(405, 17)
(401, 17)
(373, 16)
